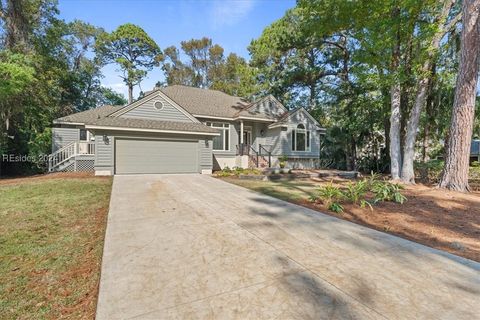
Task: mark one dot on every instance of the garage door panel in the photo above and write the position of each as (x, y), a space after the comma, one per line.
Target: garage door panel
(155, 156)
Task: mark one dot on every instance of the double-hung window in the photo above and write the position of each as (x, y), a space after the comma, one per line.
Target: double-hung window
(221, 142)
(300, 139)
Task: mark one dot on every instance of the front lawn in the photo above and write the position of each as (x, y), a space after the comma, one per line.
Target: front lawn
(441, 219)
(51, 240)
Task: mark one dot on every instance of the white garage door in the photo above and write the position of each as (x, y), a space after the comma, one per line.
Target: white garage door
(155, 156)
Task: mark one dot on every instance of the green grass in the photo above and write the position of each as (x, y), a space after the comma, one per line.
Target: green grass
(292, 191)
(51, 242)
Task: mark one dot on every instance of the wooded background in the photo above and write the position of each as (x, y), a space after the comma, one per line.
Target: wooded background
(379, 75)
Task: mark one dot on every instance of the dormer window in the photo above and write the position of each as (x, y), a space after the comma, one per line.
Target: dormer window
(300, 138)
(158, 105)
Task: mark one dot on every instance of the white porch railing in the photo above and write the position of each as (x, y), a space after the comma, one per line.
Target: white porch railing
(69, 151)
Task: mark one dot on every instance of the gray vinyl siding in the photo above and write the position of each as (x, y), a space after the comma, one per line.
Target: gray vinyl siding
(281, 139)
(105, 153)
(147, 110)
(104, 149)
(63, 136)
(206, 158)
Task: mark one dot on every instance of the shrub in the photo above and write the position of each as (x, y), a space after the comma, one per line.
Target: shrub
(328, 195)
(355, 192)
(429, 171)
(335, 207)
(225, 172)
(236, 171)
(387, 191)
(282, 161)
(372, 179)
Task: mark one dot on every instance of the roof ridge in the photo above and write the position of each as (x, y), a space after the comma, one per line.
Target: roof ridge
(204, 89)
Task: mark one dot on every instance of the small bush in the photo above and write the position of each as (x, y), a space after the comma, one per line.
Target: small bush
(236, 171)
(335, 207)
(359, 193)
(355, 192)
(430, 171)
(387, 191)
(328, 195)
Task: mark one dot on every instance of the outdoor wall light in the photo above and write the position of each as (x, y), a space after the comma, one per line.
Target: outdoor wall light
(262, 132)
(105, 139)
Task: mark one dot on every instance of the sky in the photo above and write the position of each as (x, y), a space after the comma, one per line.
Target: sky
(229, 23)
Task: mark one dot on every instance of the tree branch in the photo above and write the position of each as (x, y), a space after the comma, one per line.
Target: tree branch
(453, 22)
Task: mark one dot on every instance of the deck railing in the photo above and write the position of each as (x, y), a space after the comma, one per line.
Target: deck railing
(69, 151)
(265, 151)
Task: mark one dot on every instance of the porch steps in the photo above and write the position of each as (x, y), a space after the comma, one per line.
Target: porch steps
(74, 156)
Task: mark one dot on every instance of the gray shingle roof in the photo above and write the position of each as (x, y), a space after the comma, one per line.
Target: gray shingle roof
(89, 116)
(153, 124)
(205, 102)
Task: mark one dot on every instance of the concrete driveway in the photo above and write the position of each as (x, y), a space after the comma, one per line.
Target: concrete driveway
(194, 247)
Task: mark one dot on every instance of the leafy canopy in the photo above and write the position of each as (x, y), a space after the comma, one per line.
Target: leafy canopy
(132, 49)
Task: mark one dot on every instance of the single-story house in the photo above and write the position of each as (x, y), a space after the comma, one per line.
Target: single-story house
(181, 129)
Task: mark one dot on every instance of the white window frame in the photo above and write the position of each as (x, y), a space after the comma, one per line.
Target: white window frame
(87, 135)
(308, 138)
(226, 133)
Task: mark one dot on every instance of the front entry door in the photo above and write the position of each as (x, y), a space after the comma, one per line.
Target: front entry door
(247, 136)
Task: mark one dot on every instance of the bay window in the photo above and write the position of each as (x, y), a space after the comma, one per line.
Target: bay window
(221, 142)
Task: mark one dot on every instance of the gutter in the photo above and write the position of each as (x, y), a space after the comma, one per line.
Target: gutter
(151, 130)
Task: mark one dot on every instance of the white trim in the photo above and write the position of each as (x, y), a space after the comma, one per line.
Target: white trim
(147, 98)
(71, 123)
(257, 119)
(277, 125)
(248, 129)
(103, 172)
(155, 105)
(212, 117)
(304, 131)
(229, 129)
(234, 119)
(150, 130)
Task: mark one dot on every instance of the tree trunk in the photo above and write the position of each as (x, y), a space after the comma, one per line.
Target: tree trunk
(408, 174)
(17, 25)
(130, 93)
(312, 99)
(455, 174)
(429, 117)
(395, 151)
(395, 114)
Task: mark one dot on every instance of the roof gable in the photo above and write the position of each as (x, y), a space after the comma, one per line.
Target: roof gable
(267, 107)
(144, 109)
(300, 115)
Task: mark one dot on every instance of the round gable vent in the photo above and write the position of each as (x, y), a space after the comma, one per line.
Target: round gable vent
(158, 105)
